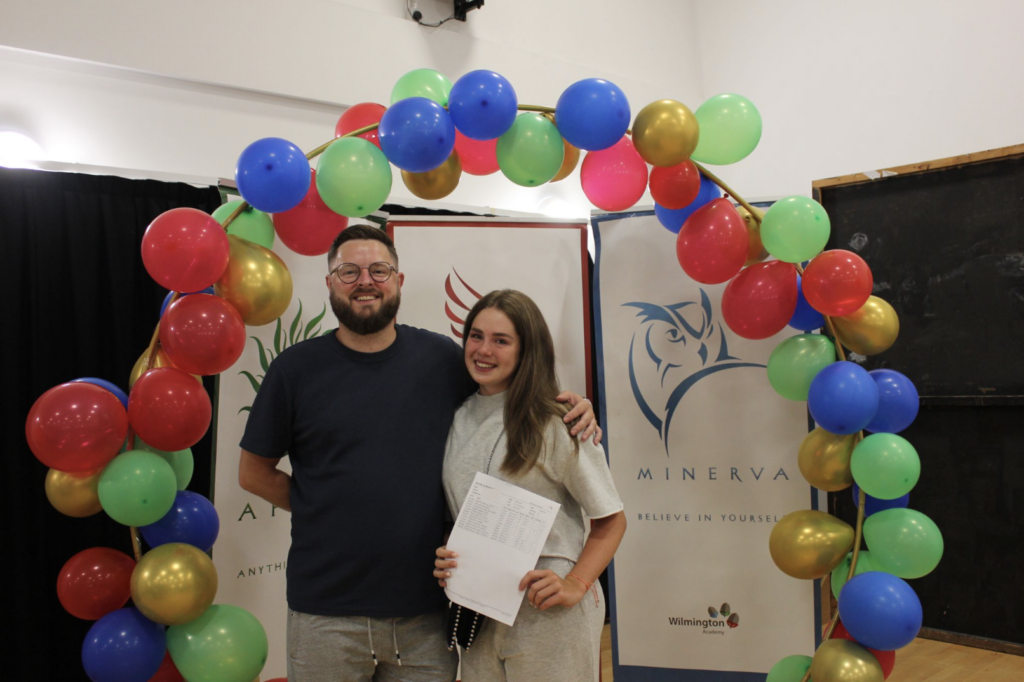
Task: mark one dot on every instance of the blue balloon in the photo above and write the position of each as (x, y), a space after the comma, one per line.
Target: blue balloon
(898, 402)
(273, 175)
(592, 114)
(805, 318)
(873, 505)
(103, 383)
(842, 398)
(191, 520)
(123, 646)
(167, 298)
(482, 105)
(673, 219)
(880, 611)
(416, 134)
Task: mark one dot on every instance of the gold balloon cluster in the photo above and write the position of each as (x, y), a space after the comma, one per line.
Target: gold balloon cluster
(665, 133)
(437, 183)
(257, 282)
(174, 584)
(840, 660)
(160, 359)
(824, 460)
(74, 494)
(871, 330)
(808, 544)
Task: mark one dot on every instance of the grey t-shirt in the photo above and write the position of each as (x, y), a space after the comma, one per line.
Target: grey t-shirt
(581, 484)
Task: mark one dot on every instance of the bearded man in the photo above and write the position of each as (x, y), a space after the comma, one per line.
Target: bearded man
(363, 415)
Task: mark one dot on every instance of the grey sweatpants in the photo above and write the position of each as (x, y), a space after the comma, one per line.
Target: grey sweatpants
(342, 649)
(557, 645)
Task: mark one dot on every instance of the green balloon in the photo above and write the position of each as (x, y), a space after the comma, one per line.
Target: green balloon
(865, 563)
(885, 466)
(796, 361)
(422, 83)
(530, 153)
(789, 669)
(904, 542)
(795, 229)
(730, 128)
(251, 225)
(225, 644)
(353, 177)
(181, 461)
(137, 488)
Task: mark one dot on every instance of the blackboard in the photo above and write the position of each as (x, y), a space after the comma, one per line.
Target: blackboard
(945, 243)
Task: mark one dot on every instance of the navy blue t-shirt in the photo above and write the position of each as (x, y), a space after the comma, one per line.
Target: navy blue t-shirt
(366, 434)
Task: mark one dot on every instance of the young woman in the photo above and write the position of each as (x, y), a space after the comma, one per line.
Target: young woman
(512, 429)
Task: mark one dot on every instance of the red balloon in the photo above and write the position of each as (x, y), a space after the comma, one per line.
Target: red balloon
(712, 244)
(76, 427)
(185, 250)
(478, 157)
(95, 582)
(760, 301)
(886, 659)
(169, 409)
(675, 187)
(359, 116)
(168, 672)
(615, 178)
(837, 283)
(202, 334)
(309, 228)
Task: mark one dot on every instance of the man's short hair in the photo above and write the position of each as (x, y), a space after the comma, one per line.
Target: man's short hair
(353, 232)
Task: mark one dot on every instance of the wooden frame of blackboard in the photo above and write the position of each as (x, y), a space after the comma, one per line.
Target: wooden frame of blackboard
(979, 400)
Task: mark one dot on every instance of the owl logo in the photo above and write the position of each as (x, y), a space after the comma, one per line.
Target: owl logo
(731, 619)
(674, 347)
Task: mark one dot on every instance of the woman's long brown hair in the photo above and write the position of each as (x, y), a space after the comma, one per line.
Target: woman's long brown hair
(530, 403)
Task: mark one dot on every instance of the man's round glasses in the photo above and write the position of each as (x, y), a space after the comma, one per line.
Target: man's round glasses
(349, 272)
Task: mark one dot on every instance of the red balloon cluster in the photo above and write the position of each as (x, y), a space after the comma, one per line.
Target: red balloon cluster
(837, 283)
(760, 301)
(614, 178)
(185, 249)
(168, 409)
(886, 659)
(76, 427)
(310, 228)
(478, 157)
(359, 116)
(712, 244)
(95, 582)
(675, 187)
(202, 334)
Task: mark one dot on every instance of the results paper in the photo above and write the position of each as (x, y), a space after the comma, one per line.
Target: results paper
(499, 535)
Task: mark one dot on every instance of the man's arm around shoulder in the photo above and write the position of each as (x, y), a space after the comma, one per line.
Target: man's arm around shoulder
(260, 476)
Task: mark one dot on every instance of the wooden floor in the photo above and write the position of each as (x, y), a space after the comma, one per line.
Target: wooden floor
(924, 660)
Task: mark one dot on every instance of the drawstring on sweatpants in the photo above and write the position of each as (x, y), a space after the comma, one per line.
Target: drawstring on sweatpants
(394, 636)
(369, 633)
(394, 639)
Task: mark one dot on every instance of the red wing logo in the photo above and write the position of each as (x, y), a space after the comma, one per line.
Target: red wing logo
(454, 307)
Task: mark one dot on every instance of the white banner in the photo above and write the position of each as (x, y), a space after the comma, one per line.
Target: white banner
(450, 263)
(703, 453)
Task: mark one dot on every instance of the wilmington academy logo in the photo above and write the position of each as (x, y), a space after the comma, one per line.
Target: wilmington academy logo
(673, 348)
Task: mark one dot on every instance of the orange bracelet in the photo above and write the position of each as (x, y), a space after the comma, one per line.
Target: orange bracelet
(589, 586)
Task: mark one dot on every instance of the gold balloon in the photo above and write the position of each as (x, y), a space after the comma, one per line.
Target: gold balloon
(257, 282)
(437, 183)
(74, 494)
(159, 360)
(569, 161)
(840, 660)
(174, 583)
(755, 247)
(808, 544)
(665, 133)
(871, 330)
(824, 460)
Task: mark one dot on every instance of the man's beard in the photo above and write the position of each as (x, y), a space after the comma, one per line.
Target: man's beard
(365, 324)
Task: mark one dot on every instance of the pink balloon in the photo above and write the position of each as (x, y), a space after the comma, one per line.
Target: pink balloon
(760, 301)
(712, 244)
(478, 157)
(169, 409)
(615, 178)
(309, 228)
(185, 250)
(837, 282)
(76, 427)
(202, 334)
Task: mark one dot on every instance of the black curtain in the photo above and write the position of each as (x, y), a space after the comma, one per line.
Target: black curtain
(77, 302)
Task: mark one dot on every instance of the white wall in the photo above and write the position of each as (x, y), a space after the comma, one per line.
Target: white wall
(848, 86)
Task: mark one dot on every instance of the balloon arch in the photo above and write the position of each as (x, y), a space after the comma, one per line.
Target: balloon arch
(129, 455)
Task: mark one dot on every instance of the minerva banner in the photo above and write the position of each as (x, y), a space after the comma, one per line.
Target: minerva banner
(703, 453)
